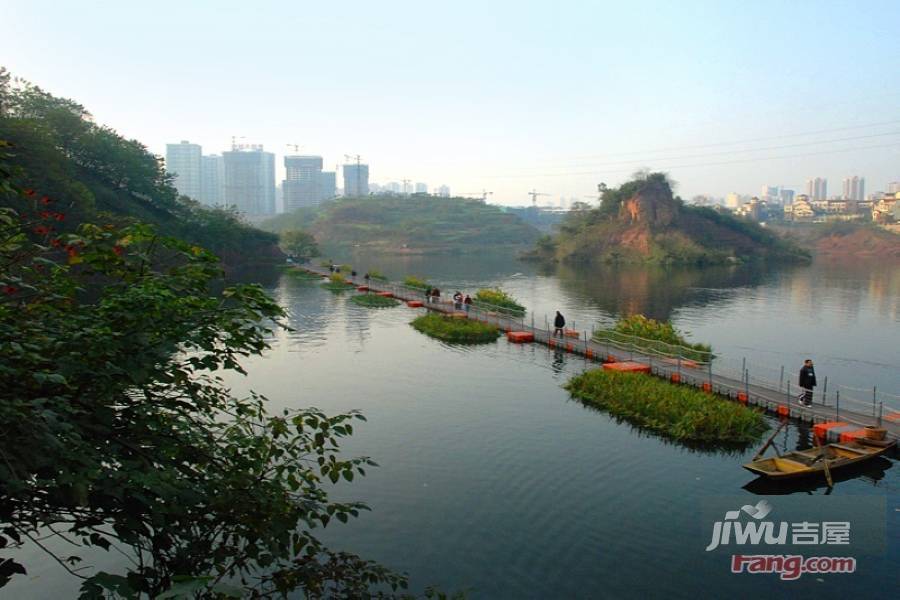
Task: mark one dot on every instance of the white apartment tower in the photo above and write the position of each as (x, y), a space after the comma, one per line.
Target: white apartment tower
(183, 161)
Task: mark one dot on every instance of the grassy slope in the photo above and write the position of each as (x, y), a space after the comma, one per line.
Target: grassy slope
(421, 224)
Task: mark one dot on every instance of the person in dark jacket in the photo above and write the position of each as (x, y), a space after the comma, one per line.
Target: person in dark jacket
(558, 323)
(467, 302)
(807, 382)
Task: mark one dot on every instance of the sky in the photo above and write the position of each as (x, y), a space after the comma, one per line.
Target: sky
(496, 96)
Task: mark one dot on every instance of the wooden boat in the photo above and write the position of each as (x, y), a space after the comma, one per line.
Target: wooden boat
(818, 460)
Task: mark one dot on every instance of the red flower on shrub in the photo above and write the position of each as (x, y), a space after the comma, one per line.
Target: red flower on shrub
(42, 230)
(56, 242)
(9, 290)
(60, 216)
(28, 192)
(72, 250)
(118, 250)
(46, 200)
(46, 214)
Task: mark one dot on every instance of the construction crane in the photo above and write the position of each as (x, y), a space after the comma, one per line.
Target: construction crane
(406, 187)
(357, 158)
(534, 194)
(296, 147)
(483, 193)
(234, 143)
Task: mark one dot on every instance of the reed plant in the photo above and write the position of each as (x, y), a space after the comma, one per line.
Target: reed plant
(676, 411)
(495, 297)
(374, 301)
(458, 331)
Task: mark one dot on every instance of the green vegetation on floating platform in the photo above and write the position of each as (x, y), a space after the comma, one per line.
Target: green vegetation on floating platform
(679, 412)
(489, 298)
(300, 274)
(459, 331)
(409, 225)
(657, 337)
(337, 283)
(374, 301)
(417, 283)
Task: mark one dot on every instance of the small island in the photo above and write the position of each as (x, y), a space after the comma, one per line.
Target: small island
(643, 222)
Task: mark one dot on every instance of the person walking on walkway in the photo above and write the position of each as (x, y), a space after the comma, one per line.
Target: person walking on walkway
(467, 302)
(429, 292)
(457, 300)
(807, 382)
(558, 323)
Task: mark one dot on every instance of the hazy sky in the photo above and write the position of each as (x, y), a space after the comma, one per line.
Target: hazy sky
(504, 96)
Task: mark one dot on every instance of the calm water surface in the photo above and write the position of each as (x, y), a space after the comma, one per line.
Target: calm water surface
(492, 479)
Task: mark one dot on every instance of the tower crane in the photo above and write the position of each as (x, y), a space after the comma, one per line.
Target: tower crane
(357, 158)
(296, 147)
(534, 194)
(483, 193)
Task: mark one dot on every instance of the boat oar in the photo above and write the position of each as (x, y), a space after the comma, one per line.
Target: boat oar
(768, 442)
(824, 450)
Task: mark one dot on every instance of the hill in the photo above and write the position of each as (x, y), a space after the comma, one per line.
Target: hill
(409, 225)
(91, 173)
(846, 240)
(642, 222)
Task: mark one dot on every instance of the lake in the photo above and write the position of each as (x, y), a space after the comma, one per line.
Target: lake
(493, 480)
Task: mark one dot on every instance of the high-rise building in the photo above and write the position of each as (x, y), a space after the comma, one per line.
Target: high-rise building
(854, 188)
(250, 180)
(421, 188)
(817, 189)
(356, 180)
(787, 196)
(393, 187)
(183, 161)
(443, 191)
(733, 200)
(212, 180)
(303, 176)
(327, 185)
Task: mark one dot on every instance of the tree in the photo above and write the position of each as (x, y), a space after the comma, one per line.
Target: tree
(115, 431)
(299, 244)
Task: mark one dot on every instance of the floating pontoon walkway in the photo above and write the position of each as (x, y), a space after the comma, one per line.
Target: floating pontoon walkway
(783, 402)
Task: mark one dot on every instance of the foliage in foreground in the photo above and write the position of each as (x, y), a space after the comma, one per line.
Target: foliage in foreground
(461, 331)
(495, 297)
(679, 412)
(117, 434)
(374, 301)
(650, 331)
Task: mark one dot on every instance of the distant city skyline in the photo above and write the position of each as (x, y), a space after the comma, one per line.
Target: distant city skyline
(521, 99)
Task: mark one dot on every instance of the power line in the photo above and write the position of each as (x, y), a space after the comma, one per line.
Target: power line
(736, 151)
(707, 164)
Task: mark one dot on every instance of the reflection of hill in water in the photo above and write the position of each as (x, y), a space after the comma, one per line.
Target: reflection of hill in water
(657, 291)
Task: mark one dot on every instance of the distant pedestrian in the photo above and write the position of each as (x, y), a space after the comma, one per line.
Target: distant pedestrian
(807, 382)
(467, 302)
(457, 300)
(435, 295)
(558, 323)
(428, 293)
(353, 274)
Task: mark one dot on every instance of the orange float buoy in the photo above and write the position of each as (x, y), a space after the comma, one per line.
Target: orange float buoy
(588, 353)
(742, 397)
(675, 377)
(706, 387)
(627, 367)
(362, 288)
(415, 304)
(551, 342)
(784, 410)
(520, 337)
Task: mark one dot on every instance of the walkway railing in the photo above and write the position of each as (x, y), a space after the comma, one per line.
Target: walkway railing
(759, 384)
